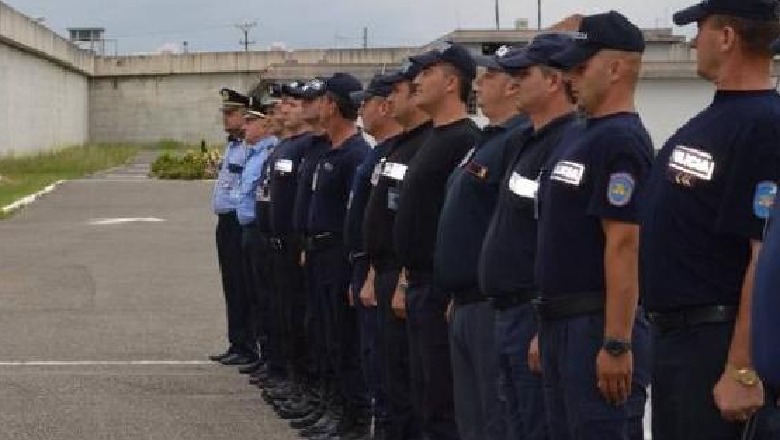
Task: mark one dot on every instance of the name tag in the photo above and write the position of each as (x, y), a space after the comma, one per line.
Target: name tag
(568, 172)
(692, 162)
(522, 186)
(395, 171)
(284, 166)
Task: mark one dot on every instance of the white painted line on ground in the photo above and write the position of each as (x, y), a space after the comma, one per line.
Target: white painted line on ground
(120, 221)
(99, 363)
(21, 203)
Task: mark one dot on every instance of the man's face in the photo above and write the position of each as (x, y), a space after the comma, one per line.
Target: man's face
(311, 110)
(372, 112)
(491, 89)
(292, 113)
(708, 43)
(254, 128)
(533, 88)
(401, 101)
(232, 119)
(590, 82)
(430, 86)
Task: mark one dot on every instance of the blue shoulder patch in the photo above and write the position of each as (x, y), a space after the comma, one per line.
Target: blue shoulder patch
(764, 199)
(620, 189)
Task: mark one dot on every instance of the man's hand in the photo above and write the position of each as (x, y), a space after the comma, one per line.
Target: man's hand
(614, 375)
(534, 358)
(367, 293)
(399, 304)
(736, 401)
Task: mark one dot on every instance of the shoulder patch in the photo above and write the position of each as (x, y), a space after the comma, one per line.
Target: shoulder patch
(620, 189)
(764, 199)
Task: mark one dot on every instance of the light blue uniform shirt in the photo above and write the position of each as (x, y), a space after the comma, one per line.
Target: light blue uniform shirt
(246, 194)
(229, 175)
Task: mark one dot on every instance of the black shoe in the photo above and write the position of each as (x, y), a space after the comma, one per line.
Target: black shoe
(219, 357)
(290, 413)
(238, 359)
(250, 368)
(324, 425)
(307, 421)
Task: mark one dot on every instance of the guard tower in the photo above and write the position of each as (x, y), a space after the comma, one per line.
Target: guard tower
(89, 39)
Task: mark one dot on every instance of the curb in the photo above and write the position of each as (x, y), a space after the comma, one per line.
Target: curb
(24, 201)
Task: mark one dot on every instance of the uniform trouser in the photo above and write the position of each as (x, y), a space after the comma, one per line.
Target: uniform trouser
(429, 360)
(475, 372)
(231, 264)
(292, 298)
(576, 410)
(314, 325)
(403, 422)
(258, 281)
(371, 352)
(687, 363)
(332, 273)
(521, 389)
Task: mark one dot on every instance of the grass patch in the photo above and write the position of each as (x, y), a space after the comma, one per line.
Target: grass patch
(27, 174)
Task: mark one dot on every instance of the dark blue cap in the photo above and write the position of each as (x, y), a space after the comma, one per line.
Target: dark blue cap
(257, 108)
(233, 99)
(408, 72)
(539, 53)
(292, 89)
(608, 31)
(380, 86)
(453, 54)
(343, 85)
(312, 89)
(760, 10)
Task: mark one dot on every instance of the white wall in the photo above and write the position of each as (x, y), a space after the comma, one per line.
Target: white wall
(666, 104)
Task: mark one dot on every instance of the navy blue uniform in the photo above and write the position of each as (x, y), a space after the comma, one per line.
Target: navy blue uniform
(710, 194)
(417, 218)
(766, 306)
(597, 173)
(331, 271)
(378, 223)
(506, 276)
(472, 192)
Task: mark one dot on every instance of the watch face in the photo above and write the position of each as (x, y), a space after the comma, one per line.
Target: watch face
(616, 348)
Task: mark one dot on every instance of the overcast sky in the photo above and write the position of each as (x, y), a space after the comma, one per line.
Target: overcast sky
(208, 25)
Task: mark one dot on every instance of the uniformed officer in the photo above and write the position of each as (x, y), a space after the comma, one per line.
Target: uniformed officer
(331, 272)
(242, 349)
(259, 143)
(507, 259)
(594, 340)
(442, 90)
(376, 113)
(471, 196)
(403, 420)
(708, 202)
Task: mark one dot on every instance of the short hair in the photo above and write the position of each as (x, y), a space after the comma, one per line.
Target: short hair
(345, 107)
(756, 36)
(464, 83)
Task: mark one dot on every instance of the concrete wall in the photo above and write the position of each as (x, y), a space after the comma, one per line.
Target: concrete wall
(43, 87)
(666, 104)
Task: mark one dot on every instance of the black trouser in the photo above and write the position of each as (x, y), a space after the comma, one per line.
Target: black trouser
(331, 276)
(403, 421)
(237, 301)
(687, 363)
(259, 283)
(429, 359)
(289, 274)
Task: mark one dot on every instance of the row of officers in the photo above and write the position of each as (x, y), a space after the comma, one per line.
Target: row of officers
(529, 280)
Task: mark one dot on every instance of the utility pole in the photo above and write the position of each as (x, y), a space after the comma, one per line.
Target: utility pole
(245, 28)
(498, 21)
(539, 15)
(365, 37)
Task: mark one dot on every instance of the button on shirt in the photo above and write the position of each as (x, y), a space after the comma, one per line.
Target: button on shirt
(508, 256)
(597, 173)
(710, 194)
(318, 146)
(423, 191)
(383, 201)
(246, 193)
(283, 181)
(766, 305)
(331, 185)
(229, 174)
(471, 197)
(366, 175)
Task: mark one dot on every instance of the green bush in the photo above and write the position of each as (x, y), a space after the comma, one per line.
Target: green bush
(191, 165)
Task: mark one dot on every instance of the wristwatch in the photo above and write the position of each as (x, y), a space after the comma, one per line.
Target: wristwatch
(616, 347)
(745, 376)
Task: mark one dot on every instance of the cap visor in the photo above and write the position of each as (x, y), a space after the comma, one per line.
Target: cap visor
(573, 56)
(488, 61)
(693, 14)
(515, 64)
(253, 114)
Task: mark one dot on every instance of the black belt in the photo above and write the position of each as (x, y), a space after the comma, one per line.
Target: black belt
(693, 316)
(322, 241)
(585, 303)
(514, 299)
(466, 297)
(354, 257)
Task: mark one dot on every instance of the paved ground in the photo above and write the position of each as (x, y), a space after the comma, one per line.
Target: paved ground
(73, 292)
